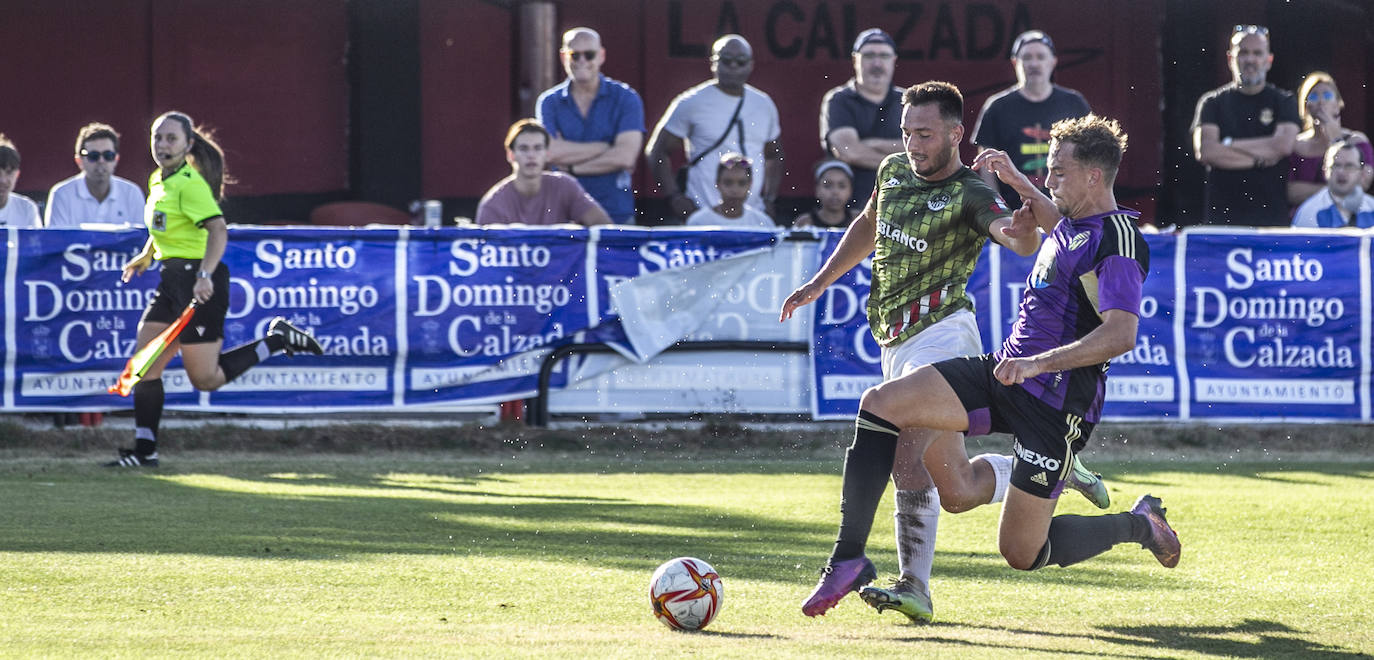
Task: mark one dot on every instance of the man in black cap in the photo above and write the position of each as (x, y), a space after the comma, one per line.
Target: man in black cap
(861, 120)
(1017, 120)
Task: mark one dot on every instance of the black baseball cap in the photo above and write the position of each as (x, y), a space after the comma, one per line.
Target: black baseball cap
(873, 36)
(1031, 37)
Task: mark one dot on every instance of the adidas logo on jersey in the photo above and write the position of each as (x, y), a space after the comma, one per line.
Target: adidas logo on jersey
(1041, 479)
(892, 183)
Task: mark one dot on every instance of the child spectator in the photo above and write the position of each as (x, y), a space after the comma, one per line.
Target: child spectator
(15, 210)
(834, 187)
(734, 176)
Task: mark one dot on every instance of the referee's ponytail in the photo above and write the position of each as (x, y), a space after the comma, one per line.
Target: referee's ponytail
(206, 155)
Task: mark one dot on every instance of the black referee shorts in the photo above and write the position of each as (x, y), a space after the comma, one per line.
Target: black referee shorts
(174, 293)
(1045, 439)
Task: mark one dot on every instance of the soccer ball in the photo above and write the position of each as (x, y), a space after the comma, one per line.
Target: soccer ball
(686, 593)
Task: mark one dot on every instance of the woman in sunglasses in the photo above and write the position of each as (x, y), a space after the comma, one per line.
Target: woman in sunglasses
(187, 233)
(1320, 107)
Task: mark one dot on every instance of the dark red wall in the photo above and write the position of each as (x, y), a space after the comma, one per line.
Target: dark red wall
(268, 75)
(276, 80)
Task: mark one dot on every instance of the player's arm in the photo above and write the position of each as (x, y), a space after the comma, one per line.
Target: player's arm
(621, 155)
(139, 262)
(1209, 150)
(846, 146)
(988, 177)
(854, 247)
(1115, 336)
(1041, 210)
(216, 238)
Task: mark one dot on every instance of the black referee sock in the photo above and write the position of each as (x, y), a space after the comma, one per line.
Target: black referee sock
(1075, 538)
(148, 400)
(867, 466)
(239, 359)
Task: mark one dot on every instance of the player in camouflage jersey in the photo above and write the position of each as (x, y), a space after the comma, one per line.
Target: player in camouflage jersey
(925, 223)
(1046, 384)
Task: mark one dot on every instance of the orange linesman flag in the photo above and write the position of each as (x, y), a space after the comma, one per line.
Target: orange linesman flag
(146, 356)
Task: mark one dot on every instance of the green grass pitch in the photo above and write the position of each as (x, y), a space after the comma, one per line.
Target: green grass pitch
(430, 555)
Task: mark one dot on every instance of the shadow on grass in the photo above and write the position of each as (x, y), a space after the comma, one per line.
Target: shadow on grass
(441, 512)
(1261, 639)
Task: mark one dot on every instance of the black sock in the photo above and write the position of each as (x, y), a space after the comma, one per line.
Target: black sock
(148, 399)
(867, 466)
(1075, 538)
(239, 359)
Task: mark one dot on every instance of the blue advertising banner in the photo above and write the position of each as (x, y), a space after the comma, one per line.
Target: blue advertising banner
(1270, 325)
(485, 305)
(845, 358)
(337, 284)
(1143, 382)
(1259, 325)
(70, 324)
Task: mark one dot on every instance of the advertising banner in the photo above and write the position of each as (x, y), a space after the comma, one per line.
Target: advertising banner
(845, 358)
(1271, 325)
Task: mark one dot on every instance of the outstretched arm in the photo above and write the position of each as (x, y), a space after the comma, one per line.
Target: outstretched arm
(854, 247)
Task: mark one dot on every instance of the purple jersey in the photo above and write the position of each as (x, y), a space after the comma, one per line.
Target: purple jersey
(1086, 266)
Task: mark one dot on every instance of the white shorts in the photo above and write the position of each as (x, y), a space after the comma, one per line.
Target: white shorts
(954, 336)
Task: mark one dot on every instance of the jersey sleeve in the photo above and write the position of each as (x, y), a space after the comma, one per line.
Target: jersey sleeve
(1206, 112)
(1306, 215)
(1288, 109)
(198, 202)
(1122, 261)
(543, 113)
(984, 204)
(631, 114)
(834, 114)
(983, 126)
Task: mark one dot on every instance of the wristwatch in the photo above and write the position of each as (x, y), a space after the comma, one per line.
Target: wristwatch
(202, 275)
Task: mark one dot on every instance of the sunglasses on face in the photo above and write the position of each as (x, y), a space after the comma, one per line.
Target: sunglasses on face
(1251, 29)
(1324, 95)
(579, 55)
(732, 61)
(95, 156)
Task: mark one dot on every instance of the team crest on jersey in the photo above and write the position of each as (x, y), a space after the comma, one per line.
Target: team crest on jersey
(892, 183)
(1266, 116)
(938, 202)
(1078, 241)
(159, 221)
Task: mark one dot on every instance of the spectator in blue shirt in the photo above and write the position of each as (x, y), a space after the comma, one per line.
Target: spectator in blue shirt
(597, 125)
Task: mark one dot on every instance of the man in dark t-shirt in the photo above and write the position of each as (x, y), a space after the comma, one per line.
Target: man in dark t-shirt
(1017, 120)
(1244, 132)
(861, 119)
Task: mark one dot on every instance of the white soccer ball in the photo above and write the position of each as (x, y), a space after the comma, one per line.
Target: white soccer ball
(686, 593)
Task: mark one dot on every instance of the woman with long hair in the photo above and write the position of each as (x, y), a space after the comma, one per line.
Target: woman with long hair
(187, 234)
(1320, 105)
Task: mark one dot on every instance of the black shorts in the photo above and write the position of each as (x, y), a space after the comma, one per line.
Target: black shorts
(174, 293)
(1045, 439)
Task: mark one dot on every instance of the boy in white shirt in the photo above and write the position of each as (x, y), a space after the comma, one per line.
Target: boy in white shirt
(15, 210)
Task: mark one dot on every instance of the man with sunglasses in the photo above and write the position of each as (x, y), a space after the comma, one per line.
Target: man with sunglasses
(716, 117)
(597, 125)
(95, 195)
(861, 120)
(15, 210)
(1244, 132)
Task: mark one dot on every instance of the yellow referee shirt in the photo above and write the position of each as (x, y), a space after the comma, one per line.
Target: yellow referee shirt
(176, 208)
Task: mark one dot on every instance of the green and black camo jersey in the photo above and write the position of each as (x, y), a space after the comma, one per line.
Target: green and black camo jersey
(929, 235)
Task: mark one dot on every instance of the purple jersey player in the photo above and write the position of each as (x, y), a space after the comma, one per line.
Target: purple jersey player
(1045, 385)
